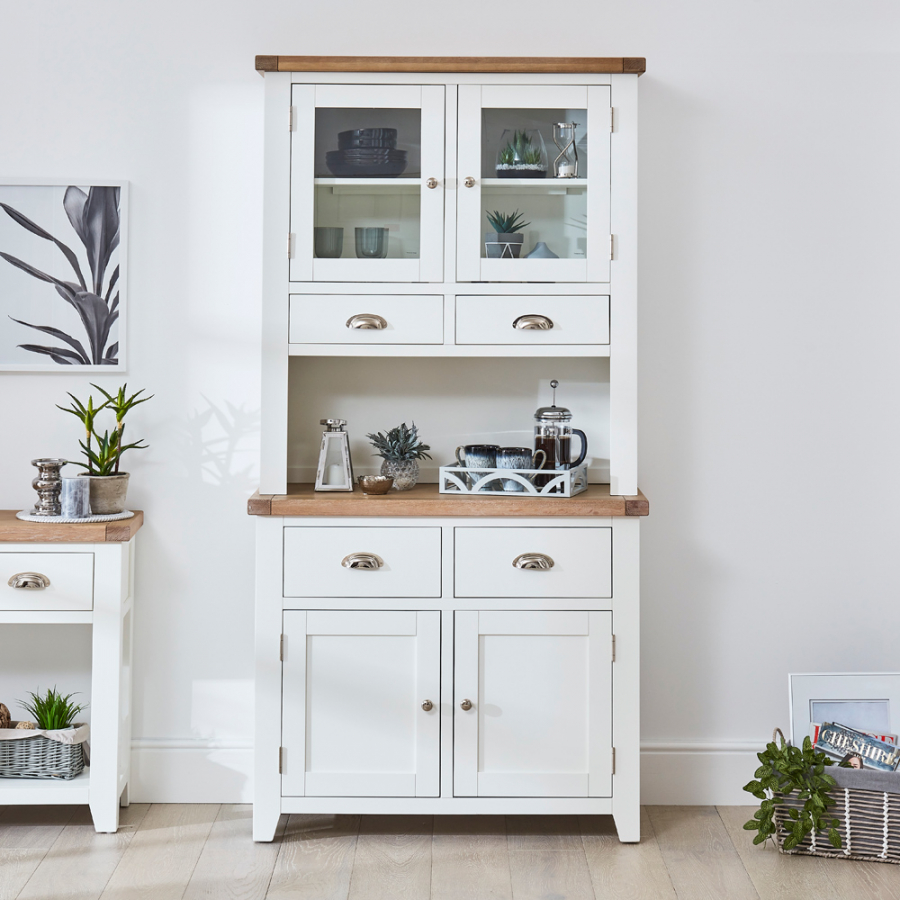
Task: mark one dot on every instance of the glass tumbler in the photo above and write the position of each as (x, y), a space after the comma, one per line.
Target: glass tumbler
(371, 243)
(328, 243)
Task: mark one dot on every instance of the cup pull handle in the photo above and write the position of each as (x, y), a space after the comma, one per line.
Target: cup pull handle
(367, 321)
(362, 561)
(533, 323)
(29, 581)
(533, 561)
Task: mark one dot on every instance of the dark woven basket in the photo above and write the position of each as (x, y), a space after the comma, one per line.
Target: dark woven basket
(39, 757)
(868, 821)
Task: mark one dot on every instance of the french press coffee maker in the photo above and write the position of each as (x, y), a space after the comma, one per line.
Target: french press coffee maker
(553, 435)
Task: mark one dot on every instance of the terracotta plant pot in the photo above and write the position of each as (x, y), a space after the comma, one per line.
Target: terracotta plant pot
(108, 493)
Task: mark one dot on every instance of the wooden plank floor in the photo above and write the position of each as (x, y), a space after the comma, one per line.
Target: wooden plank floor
(192, 851)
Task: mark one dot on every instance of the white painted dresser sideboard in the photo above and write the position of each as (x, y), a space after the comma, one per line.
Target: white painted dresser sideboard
(446, 679)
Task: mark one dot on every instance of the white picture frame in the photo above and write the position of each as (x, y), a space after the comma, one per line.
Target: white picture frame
(871, 700)
(63, 289)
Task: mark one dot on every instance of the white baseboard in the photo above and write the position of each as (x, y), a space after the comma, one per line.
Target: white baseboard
(698, 774)
(186, 771)
(672, 774)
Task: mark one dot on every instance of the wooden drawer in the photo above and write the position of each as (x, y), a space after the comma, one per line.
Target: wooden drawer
(313, 557)
(489, 320)
(71, 578)
(582, 562)
(323, 318)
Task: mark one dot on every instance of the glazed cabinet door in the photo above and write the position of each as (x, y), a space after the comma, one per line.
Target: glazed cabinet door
(367, 182)
(508, 162)
(356, 719)
(533, 704)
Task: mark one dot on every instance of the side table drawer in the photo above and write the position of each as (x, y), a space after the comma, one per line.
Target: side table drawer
(328, 319)
(573, 320)
(70, 576)
(408, 562)
(581, 562)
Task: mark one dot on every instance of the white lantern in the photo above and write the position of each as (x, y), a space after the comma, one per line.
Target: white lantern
(335, 471)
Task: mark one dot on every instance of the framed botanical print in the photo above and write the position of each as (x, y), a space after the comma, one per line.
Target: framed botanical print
(62, 275)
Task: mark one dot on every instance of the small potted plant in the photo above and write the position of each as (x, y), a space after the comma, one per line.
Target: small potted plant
(505, 241)
(401, 451)
(522, 154)
(108, 485)
(37, 755)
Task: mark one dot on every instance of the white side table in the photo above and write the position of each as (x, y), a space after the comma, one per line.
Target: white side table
(90, 568)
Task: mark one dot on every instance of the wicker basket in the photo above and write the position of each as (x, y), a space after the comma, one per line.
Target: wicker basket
(868, 820)
(40, 757)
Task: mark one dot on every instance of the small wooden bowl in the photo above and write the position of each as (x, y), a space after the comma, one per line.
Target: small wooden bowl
(375, 484)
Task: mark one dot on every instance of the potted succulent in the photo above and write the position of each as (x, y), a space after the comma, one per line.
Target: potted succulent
(506, 238)
(401, 451)
(522, 154)
(108, 485)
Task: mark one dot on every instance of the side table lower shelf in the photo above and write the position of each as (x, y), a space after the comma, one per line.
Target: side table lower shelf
(45, 791)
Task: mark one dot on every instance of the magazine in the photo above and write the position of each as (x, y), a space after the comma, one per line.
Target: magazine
(815, 726)
(857, 748)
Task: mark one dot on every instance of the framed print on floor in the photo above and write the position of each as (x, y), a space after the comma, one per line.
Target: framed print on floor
(866, 701)
(62, 275)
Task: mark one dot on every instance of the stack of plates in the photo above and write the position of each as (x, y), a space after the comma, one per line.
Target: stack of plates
(367, 153)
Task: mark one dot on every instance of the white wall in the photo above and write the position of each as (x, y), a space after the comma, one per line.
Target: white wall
(769, 315)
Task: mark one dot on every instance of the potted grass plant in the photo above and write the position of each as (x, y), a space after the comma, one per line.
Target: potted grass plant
(401, 451)
(522, 154)
(103, 452)
(505, 241)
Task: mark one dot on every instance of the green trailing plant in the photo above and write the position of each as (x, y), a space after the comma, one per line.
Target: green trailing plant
(399, 444)
(104, 451)
(786, 770)
(52, 710)
(506, 223)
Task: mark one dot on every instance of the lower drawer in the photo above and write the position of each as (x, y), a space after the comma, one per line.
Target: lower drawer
(68, 580)
(318, 562)
(573, 562)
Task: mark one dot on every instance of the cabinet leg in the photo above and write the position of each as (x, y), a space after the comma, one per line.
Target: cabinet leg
(105, 815)
(628, 824)
(265, 823)
(124, 802)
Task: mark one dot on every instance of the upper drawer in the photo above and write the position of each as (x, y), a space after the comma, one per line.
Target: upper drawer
(329, 319)
(492, 320)
(410, 562)
(484, 562)
(71, 577)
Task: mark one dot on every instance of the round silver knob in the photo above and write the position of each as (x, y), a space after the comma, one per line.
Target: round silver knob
(533, 323)
(533, 561)
(469, 182)
(366, 321)
(466, 705)
(362, 561)
(432, 183)
(29, 581)
(428, 706)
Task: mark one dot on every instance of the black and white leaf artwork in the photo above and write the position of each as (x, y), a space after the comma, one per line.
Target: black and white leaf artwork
(95, 219)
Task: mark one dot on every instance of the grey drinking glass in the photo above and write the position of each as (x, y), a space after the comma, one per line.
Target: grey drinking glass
(328, 243)
(371, 243)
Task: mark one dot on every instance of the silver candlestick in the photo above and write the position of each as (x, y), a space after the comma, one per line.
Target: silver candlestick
(48, 485)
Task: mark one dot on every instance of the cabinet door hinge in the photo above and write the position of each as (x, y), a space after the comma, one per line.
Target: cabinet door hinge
(290, 118)
(281, 649)
(289, 245)
(613, 647)
(614, 761)
(612, 119)
(612, 246)
(281, 756)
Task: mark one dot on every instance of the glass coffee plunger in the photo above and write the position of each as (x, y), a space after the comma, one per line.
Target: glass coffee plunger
(553, 435)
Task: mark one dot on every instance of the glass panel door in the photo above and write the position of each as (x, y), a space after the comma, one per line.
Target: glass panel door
(533, 183)
(367, 183)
